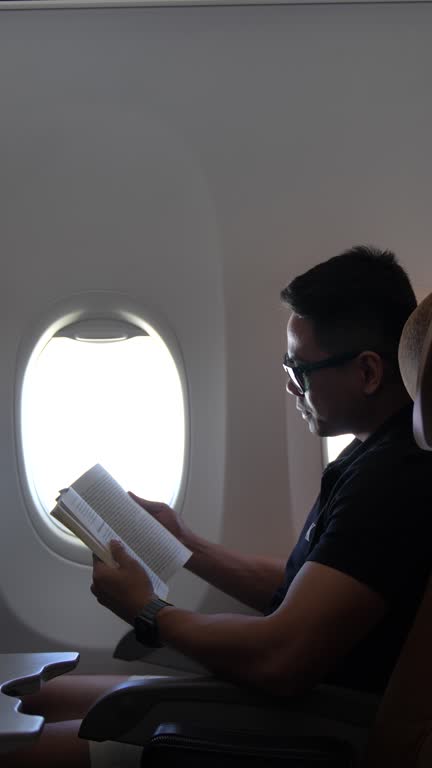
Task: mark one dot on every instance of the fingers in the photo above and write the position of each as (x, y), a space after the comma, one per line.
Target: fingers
(139, 500)
(154, 507)
(103, 575)
(119, 553)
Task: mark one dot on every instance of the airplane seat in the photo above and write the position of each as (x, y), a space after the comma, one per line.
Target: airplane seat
(205, 719)
(402, 733)
(212, 721)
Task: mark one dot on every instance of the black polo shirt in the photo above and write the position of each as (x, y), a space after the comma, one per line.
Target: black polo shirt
(373, 521)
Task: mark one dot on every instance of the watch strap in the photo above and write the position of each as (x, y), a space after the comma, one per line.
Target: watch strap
(146, 629)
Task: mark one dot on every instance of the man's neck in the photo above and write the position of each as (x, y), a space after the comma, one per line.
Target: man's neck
(384, 411)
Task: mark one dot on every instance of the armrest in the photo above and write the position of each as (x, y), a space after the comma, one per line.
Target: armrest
(132, 711)
(172, 745)
(21, 673)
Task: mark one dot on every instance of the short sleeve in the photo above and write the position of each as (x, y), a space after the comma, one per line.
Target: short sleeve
(379, 529)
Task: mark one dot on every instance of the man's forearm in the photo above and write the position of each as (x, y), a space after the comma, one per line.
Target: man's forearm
(250, 579)
(230, 646)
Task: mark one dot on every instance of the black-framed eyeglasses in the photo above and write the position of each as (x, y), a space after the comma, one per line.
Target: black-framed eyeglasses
(299, 374)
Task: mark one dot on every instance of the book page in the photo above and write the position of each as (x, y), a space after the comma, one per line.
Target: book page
(75, 513)
(153, 544)
(87, 536)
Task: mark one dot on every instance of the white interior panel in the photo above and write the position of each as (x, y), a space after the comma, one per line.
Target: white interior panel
(189, 162)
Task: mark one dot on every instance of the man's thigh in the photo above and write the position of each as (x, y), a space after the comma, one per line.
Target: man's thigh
(58, 745)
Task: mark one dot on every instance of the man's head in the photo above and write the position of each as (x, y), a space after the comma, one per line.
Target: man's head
(348, 315)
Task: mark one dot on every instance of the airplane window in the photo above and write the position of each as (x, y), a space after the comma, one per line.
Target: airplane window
(109, 393)
(332, 446)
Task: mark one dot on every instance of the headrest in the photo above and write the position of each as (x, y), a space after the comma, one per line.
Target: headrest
(415, 362)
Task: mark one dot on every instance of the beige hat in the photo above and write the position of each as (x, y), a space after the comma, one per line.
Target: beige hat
(415, 362)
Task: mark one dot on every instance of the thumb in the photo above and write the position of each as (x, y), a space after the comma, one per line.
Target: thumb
(138, 499)
(119, 553)
(149, 506)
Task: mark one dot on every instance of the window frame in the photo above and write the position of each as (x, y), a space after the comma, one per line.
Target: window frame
(77, 308)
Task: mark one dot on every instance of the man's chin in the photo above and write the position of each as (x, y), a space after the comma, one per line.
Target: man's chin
(317, 427)
(322, 428)
(311, 422)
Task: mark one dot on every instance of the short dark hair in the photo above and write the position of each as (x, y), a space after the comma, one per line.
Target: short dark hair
(357, 300)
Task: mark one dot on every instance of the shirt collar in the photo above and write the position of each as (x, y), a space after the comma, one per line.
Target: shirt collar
(397, 422)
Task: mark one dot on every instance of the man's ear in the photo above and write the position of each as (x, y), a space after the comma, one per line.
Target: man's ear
(372, 371)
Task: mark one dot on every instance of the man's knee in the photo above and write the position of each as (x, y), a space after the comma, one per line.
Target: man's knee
(68, 697)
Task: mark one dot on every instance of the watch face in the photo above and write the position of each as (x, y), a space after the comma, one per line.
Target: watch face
(146, 631)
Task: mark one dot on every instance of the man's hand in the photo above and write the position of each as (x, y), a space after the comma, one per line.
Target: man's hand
(124, 590)
(164, 514)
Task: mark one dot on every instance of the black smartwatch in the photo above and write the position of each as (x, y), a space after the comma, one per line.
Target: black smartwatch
(146, 629)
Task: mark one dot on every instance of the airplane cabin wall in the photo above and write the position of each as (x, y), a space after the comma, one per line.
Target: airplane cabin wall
(192, 161)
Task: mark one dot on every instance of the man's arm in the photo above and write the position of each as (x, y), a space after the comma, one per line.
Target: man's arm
(251, 579)
(325, 613)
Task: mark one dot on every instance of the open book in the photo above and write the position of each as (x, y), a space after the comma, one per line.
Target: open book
(97, 509)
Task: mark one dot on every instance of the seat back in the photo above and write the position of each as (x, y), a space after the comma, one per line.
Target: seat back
(402, 735)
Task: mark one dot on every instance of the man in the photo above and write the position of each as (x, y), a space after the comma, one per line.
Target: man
(340, 611)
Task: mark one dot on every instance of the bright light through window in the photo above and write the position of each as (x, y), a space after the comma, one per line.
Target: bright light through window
(334, 445)
(119, 404)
